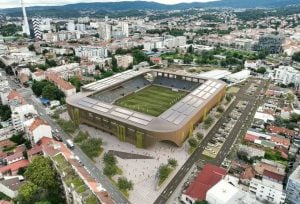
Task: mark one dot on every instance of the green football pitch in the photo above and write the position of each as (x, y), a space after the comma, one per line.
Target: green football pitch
(152, 100)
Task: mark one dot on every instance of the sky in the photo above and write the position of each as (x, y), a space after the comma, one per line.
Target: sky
(16, 3)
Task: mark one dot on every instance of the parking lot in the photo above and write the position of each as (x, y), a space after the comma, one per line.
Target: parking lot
(215, 144)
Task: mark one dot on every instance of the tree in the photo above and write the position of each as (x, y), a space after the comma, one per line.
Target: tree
(27, 193)
(294, 117)
(190, 49)
(31, 48)
(110, 170)
(163, 173)
(199, 136)
(114, 64)
(296, 57)
(208, 121)
(261, 70)
(91, 147)
(10, 29)
(139, 56)
(109, 158)
(290, 97)
(172, 162)
(5, 112)
(193, 142)
(51, 63)
(37, 87)
(75, 81)
(220, 109)
(51, 92)
(188, 59)
(41, 172)
(124, 184)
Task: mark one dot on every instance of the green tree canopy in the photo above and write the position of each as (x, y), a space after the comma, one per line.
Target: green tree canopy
(124, 184)
(41, 172)
(296, 57)
(109, 158)
(75, 81)
(51, 92)
(28, 193)
(5, 112)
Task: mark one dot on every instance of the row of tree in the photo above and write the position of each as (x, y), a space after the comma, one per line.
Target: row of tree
(47, 90)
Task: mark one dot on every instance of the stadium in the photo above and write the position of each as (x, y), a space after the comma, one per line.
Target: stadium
(144, 107)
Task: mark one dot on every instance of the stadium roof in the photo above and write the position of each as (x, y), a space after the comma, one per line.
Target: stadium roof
(215, 74)
(180, 113)
(115, 79)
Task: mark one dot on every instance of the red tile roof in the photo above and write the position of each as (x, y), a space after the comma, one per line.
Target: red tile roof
(248, 174)
(281, 141)
(12, 157)
(207, 178)
(35, 150)
(250, 138)
(14, 95)
(278, 130)
(5, 202)
(58, 81)
(273, 175)
(14, 166)
(6, 143)
(36, 123)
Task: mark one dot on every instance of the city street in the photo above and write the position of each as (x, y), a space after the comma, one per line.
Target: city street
(116, 195)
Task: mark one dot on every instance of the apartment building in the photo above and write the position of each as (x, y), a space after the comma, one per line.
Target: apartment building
(293, 186)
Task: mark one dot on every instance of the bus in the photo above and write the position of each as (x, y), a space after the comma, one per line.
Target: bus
(70, 144)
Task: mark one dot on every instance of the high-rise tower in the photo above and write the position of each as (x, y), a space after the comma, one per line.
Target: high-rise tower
(25, 24)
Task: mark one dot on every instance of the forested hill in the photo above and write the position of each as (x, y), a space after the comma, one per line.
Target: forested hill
(125, 6)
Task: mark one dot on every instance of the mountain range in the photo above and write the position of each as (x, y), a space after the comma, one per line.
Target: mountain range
(146, 5)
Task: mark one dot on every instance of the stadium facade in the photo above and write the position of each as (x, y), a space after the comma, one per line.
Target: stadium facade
(94, 106)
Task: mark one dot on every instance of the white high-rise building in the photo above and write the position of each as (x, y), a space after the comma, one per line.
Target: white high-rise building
(36, 27)
(71, 26)
(105, 30)
(25, 23)
(45, 24)
(80, 27)
(124, 28)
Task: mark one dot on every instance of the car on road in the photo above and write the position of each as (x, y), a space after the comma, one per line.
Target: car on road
(57, 138)
(70, 144)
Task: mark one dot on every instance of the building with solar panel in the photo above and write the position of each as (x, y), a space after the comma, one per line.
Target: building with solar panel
(144, 107)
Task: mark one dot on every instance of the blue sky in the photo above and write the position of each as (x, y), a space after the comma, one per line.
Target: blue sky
(16, 3)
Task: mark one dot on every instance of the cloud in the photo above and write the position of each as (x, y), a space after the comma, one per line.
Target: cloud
(17, 3)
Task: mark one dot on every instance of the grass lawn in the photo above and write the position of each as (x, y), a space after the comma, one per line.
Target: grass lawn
(152, 100)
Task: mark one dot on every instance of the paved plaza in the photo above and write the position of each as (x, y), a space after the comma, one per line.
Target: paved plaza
(142, 172)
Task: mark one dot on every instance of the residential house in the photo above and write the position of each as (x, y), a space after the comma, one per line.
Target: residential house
(207, 178)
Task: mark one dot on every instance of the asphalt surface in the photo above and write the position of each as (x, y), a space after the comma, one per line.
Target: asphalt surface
(197, 156)
(96, 173)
